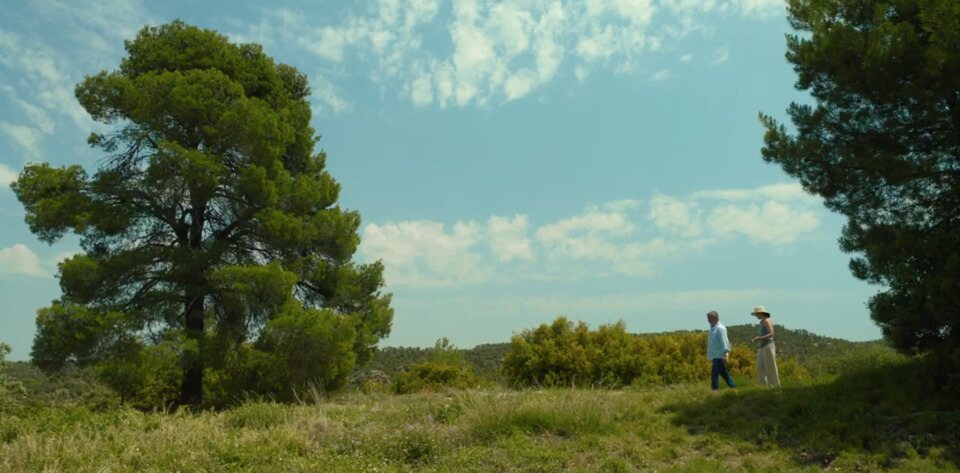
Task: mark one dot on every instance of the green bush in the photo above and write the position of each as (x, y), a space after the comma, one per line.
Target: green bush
(855, 359)
(303, 349)
(256, 415)
(9, 390)
(446, 368)
(147, 376)
(568, 354)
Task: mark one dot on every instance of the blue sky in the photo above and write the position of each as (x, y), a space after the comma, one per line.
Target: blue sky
(513, 161)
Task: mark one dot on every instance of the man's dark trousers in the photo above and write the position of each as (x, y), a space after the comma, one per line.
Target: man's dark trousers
(719, 370)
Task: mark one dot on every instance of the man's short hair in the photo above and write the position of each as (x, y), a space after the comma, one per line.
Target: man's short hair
(713, 313)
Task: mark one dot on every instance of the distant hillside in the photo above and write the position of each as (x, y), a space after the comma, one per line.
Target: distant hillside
(791, 343)
(796, 343)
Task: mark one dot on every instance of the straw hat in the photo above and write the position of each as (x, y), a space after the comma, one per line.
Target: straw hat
(760, 310)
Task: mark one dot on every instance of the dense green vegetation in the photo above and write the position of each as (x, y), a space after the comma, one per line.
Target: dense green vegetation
(445, 368)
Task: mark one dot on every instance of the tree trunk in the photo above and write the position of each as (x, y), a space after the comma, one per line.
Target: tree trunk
(191, 390)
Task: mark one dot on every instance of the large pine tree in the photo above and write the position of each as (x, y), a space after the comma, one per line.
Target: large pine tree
(881, 144)
(210, 227)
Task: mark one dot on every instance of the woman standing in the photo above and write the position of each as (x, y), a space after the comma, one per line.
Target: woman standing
(767, 374)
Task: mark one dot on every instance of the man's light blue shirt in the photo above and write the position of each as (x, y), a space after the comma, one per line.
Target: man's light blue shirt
(717, 342)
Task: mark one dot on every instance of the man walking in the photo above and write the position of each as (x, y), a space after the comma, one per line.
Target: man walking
(718, 350)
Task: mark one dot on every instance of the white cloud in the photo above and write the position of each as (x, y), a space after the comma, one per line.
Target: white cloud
(783, 191)
(585, 235)
(720, 56)
(325, 96)
(48, 73)
(661, 75)
(762, 8)
(581, 73)
(7, 176)
(37, 115)
(775, 214)
(675, 216)
(498, 51)
(519, 84)
(19, 259)
(686, 57)
(625, 237)
(423, 253)
(772, 222)
(508, 238)
(23, 136)
(689, 6)
(422, 90)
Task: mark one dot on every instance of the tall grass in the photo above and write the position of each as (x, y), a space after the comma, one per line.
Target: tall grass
(804, 427)
(867, 410)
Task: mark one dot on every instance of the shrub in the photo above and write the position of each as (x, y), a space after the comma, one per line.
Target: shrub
(8, 389)
(446, 368)
(147, 377)
(256, 415)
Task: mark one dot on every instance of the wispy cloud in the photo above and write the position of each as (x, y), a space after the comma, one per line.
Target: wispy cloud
(761, 8)
(47, 74)
(7, 176)
(25, 137)
(661, 75)
(624, 237)
(495, 52)
(720, 56)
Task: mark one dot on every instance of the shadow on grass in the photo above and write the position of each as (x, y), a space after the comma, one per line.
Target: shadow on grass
(881, 411)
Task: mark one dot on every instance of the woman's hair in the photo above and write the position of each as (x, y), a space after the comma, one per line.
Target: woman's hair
(764, 315)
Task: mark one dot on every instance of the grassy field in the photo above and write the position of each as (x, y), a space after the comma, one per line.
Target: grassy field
(872, 419)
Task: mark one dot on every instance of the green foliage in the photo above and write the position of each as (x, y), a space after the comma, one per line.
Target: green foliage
(146, 377)
(309, 347)
(855, 360)
(446, 368)
(255, 415)
(211, 220)
(9, 390)
(568, 354)
(879, 144)
(71, 386)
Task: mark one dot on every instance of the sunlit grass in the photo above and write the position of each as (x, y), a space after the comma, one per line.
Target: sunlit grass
(803, 427)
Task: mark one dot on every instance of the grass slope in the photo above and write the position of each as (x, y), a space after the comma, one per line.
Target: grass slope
(876, 417)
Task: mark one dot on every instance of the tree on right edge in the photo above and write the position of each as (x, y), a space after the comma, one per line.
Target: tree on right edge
(881, 145)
